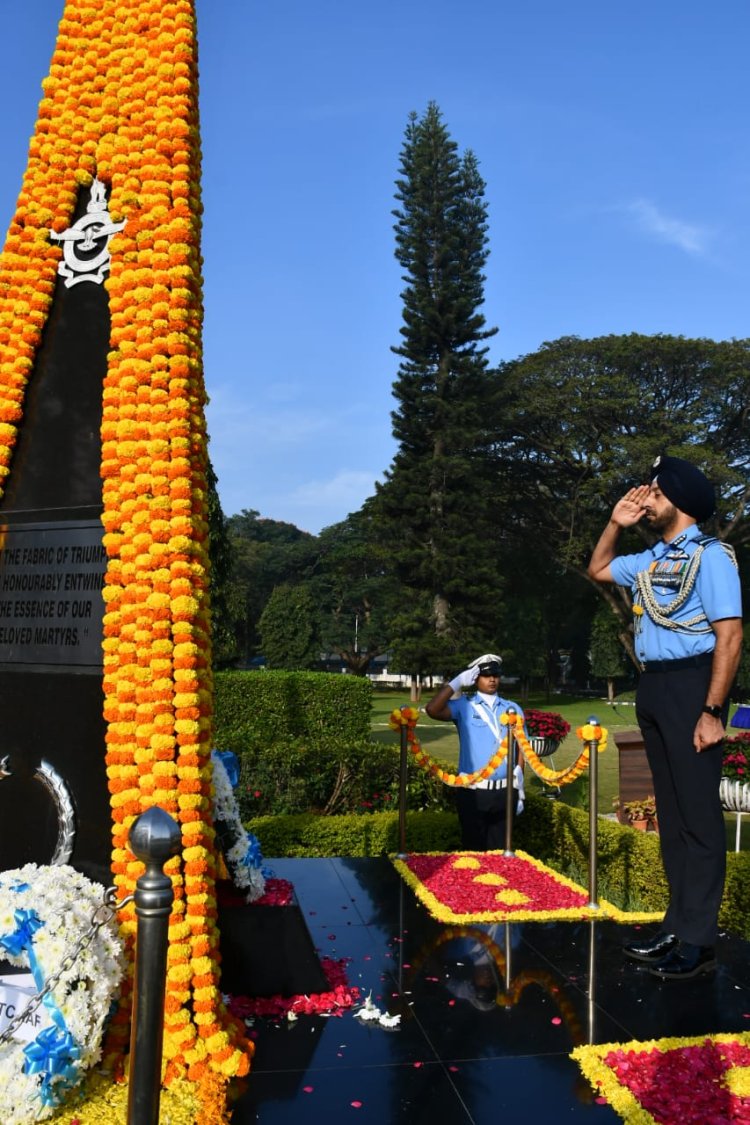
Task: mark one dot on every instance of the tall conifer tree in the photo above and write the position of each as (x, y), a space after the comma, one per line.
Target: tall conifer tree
(435, 504)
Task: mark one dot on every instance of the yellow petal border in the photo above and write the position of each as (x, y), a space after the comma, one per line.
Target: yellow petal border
(605, 1082)
(442, 913)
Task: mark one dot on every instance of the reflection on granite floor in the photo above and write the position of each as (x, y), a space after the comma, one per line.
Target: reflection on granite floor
(489, 1014)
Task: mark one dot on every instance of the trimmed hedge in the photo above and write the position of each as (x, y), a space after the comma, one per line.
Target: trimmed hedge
(303, 740)
(371, 835)
(270, 707)
(629, 865)
(323, 777)
(306, 834)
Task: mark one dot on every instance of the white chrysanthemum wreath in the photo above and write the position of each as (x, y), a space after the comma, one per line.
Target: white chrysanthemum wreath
(44, 913)
(240, 848)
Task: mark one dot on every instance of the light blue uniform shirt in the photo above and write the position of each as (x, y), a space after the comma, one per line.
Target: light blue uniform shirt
(479, 739)
(716, 593)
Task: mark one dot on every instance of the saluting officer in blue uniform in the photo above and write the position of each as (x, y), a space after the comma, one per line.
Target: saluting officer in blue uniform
(688, 636)
(481, 806)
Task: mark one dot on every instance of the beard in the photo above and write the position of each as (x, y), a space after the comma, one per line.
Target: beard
(664, 520)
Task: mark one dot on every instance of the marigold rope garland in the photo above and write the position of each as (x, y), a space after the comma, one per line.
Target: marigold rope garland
(589, 732)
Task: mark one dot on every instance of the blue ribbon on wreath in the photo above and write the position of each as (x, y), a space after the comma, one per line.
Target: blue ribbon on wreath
(27, 924)
(253, 856)
(54, 1050)
(231, 764)
(52, 1055)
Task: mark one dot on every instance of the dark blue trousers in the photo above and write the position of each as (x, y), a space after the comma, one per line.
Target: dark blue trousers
(481, 814)
(686, 787)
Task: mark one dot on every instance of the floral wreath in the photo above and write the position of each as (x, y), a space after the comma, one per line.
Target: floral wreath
(588, 733)
(240, 848)
(46, 914)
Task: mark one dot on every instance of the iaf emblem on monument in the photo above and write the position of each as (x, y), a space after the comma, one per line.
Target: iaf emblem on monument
(86, 254)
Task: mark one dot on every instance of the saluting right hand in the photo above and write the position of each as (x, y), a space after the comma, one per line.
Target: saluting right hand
(629, 510)
(465, 679)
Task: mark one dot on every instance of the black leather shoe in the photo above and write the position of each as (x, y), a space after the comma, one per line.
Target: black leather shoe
(652, 949)
(685, 961)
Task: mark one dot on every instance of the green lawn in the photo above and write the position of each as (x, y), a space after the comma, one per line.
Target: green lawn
(441, 740)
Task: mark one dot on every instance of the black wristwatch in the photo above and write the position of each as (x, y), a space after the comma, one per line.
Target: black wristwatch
(713, 710)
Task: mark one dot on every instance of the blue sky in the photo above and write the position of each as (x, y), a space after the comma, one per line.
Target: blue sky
(614, 140)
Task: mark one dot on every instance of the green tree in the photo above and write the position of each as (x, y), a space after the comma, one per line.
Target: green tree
(576, 423)
(606, 651)
(224, 646)
(264, 553)
(290, 629)
(354, 591)
(435, 505)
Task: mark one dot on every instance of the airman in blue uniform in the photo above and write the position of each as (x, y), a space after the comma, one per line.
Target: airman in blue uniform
(481, 806)
(687, 613)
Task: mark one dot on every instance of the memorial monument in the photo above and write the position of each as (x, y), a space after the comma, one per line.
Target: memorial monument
(105, 668)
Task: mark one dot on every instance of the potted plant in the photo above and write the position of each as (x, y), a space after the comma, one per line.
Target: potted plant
(546, 730)
(735, 773)
(640, 814)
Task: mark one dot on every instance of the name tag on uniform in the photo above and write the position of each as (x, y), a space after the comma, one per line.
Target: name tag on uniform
(16, 993)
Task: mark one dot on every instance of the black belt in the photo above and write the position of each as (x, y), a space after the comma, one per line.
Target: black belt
(699, 661)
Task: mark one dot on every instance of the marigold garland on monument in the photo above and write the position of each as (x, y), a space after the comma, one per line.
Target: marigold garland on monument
(120, 105)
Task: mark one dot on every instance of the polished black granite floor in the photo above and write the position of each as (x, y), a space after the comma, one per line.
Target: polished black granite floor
(457, 1055)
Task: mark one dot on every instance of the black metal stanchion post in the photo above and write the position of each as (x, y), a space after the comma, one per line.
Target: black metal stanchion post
(593, 747)
(402, 790)
(154, 837)
(510, 762)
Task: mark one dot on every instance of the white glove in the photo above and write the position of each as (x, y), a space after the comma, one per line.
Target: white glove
(464, 679)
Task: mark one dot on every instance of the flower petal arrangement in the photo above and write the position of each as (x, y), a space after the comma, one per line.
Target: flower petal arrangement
(120, 105)
(672, 1081)
(469, 887)
(339, 998)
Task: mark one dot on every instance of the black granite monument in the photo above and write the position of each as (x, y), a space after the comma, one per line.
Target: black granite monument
(54, 805)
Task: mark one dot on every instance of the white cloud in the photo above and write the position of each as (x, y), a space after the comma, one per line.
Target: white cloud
(690, 237)
(344, 492)
(238, 425)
